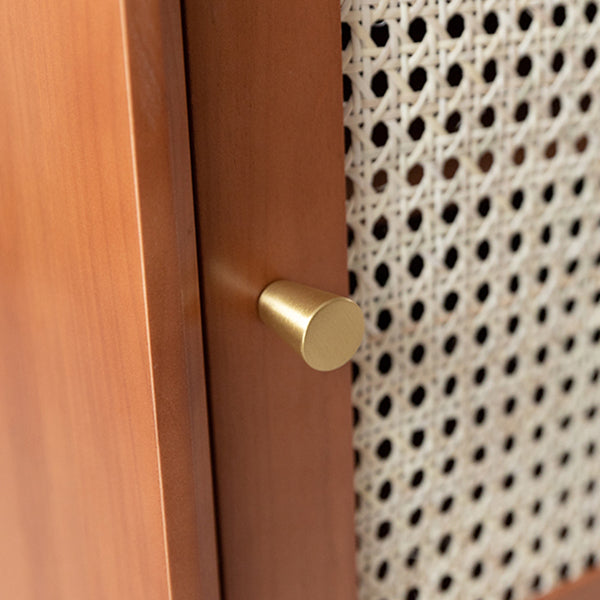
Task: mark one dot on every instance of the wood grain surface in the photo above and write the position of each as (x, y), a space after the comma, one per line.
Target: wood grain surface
(585, 588)
(264, 83)
(103, 493)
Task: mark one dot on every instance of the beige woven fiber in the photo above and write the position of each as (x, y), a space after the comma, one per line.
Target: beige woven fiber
(473, 202)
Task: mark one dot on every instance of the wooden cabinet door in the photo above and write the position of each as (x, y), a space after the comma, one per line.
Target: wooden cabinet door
(105, 486)
(265, 90)
(266, 121)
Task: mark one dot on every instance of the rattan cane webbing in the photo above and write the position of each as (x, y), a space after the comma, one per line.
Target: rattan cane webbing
(473, 185)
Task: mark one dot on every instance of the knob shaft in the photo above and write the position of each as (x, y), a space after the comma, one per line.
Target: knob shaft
(325, 329)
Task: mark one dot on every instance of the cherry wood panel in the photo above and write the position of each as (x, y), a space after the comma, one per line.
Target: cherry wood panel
(104, 464)
(585, 588)
(264, 86)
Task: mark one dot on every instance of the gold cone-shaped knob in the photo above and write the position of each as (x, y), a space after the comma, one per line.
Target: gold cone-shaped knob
(325, 329)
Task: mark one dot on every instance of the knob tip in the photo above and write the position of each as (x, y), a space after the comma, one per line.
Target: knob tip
(333, 334)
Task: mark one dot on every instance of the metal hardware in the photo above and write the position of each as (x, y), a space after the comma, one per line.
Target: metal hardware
(325, 329)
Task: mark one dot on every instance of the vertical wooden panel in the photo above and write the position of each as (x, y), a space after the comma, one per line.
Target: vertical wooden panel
(266, 104)
(156, 80)
(100, 360)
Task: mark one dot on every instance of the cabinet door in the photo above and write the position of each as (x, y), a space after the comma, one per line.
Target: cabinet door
(470, 198)
(266, 115)
(104, 462)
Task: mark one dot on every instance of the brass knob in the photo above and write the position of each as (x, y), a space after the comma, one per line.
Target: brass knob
(325, 329)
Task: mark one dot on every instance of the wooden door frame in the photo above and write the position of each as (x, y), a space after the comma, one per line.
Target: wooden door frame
(104, 448)
(153, 42)
(265, 100)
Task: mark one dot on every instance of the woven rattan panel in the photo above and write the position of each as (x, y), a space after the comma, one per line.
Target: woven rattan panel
(473, 183)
